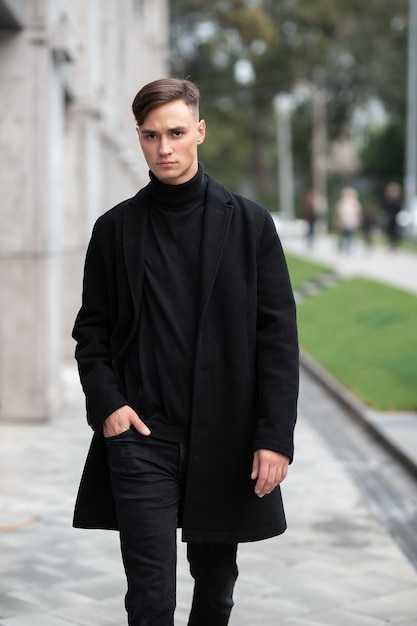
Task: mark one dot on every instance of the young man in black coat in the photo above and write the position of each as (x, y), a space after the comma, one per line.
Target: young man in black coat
(188, 357)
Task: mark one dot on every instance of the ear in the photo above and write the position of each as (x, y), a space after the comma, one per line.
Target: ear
(201, 131)
(138, 132)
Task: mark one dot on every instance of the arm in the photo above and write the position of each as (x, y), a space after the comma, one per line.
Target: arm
(277, 364)
(105, 397)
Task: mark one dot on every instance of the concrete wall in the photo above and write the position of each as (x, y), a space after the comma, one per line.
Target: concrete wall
(69, 70)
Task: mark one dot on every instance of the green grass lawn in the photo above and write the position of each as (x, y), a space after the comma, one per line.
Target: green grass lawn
(302, 271)
(365, 334)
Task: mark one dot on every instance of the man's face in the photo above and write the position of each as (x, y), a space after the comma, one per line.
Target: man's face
(169, 137)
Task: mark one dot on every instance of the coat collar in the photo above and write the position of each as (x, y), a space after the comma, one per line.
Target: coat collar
(217, 216)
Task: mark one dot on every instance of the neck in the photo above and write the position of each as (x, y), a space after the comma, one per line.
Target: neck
(179, 197)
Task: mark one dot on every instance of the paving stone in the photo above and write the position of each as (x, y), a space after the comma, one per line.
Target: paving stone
(10, 606)
(38, 619)
(336, 565)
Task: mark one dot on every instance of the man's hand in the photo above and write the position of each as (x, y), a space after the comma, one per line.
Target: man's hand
(119, 421)
(270, 468)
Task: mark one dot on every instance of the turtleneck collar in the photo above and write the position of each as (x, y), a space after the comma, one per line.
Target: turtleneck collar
(179, 197)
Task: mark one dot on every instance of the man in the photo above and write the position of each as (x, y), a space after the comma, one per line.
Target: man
(188, 357)
(392, 205)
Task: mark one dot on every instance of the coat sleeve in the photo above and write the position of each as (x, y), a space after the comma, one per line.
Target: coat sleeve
(277, 347)
(92, 331)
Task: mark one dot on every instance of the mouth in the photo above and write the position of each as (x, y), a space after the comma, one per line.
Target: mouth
(165, 163)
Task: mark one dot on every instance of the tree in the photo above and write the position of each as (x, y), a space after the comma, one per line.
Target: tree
(243, 52)
(383, 153)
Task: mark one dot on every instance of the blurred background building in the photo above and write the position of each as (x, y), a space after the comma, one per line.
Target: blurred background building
(69, 70)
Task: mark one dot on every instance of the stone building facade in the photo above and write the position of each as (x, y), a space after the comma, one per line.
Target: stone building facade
(69, 70)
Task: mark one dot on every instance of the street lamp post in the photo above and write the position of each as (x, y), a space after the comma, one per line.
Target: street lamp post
(410, 182)
(319, 141)
(283, 105)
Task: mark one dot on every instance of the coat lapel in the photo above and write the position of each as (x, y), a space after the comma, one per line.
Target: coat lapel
(134, 237)
(217, 216)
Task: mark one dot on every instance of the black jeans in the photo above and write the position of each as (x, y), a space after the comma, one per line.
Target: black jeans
(148, 478)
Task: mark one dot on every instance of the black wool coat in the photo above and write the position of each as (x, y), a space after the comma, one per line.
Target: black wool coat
(245, 368)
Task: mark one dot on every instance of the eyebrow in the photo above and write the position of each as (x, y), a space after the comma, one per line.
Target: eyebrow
(147, 131)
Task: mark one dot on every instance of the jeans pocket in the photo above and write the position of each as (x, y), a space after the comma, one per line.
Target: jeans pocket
(121, 435)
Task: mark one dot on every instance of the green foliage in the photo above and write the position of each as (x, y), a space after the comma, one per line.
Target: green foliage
(383, 152)
(225, 153)
(364, 333)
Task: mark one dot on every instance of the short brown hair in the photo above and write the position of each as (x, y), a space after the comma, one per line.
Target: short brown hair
(161, 92)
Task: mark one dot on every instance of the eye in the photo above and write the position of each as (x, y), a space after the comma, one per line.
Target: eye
(177, 133)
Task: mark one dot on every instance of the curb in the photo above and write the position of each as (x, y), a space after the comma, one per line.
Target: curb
(358, 409)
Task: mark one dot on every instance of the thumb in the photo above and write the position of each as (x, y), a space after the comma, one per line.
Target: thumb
(140, 426)
(255, 466)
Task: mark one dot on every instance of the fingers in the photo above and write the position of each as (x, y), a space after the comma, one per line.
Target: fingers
(270, 468)
(140, 426)
(120, 420)
(255, 466)
(266, 482)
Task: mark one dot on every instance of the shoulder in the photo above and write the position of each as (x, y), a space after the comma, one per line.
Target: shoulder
(243, 205)
(112, 220)
(249, 219)
(115, 214)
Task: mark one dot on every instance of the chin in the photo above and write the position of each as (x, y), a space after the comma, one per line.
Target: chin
(167, 179)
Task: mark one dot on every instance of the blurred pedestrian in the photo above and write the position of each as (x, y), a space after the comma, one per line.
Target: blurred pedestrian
(347, 218)
(369, 221)
(392, 205)
(187, 352)
(310, 214)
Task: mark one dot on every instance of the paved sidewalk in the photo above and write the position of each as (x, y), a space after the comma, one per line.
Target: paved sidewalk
(336, 565)
(397, 268)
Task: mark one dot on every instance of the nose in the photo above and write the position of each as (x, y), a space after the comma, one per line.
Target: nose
(164, 146)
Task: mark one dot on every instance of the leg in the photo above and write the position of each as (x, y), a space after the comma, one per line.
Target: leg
(146, 486)
(214, 569)
(341, 241)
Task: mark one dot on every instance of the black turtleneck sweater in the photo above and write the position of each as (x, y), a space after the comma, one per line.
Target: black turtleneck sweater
(168, 320)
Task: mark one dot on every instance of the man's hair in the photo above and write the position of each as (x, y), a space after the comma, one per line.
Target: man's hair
(161, 92)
